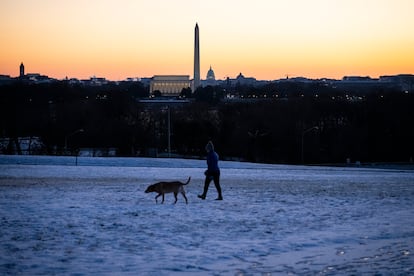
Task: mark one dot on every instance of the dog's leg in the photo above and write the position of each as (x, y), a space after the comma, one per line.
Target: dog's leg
(175, 195)
(183, 193)
(156, 201)
(162, 198)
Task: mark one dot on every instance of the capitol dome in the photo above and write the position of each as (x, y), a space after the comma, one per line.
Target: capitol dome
(210, 74)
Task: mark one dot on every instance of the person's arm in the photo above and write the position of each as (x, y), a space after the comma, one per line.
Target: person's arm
(209, 161)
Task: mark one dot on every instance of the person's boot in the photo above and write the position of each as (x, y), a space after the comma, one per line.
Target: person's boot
(202, 196)
(220, 197)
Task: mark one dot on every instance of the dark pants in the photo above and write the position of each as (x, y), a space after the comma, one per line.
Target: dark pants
(215, 176)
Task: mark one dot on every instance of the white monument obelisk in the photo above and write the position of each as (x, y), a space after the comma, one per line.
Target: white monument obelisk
(196, 59)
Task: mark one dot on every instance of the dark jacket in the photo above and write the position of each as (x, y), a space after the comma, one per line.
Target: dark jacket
(212, 161)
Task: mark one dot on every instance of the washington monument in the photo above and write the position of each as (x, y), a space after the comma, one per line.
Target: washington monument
(196, 59)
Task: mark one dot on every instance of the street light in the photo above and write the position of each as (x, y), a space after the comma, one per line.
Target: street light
(71, 134)
(168, 109)
(303, 136)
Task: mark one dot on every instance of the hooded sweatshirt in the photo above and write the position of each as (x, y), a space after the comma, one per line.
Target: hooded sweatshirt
(212, 161)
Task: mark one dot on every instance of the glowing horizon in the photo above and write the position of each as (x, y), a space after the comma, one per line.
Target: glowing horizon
(266, 40)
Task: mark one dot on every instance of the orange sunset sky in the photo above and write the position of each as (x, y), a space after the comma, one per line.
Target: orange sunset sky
(266, 39)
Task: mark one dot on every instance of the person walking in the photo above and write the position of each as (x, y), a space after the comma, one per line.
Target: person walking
(212, 172)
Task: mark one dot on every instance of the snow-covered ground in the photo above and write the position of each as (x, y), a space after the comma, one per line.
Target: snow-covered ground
(58, 218)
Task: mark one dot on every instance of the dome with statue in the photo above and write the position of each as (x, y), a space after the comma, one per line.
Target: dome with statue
(210, 74)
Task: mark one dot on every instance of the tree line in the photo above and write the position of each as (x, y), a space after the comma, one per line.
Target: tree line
(274, 123)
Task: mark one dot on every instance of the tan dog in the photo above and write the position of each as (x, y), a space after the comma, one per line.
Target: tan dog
(163, 188)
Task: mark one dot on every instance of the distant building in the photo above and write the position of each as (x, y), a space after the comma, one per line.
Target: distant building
(33, 77)
(146, 81)
(92, 81)
(242, 80)
(404, 81)
(169, 85)
(297, 79)
(97, 81)
(21, 70)
(211, 78)
(5, 79)
(36, 78)
(74, 81)
(133, 79)
(358, 79)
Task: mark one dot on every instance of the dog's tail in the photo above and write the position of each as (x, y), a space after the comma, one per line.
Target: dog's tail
(188, 181)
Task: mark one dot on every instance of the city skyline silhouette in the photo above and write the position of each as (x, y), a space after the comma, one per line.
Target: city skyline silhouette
(266, 40)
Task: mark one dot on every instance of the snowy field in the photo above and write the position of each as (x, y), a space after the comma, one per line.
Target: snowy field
(58, 218)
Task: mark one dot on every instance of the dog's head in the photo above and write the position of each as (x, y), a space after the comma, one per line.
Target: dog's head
(151, 188)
